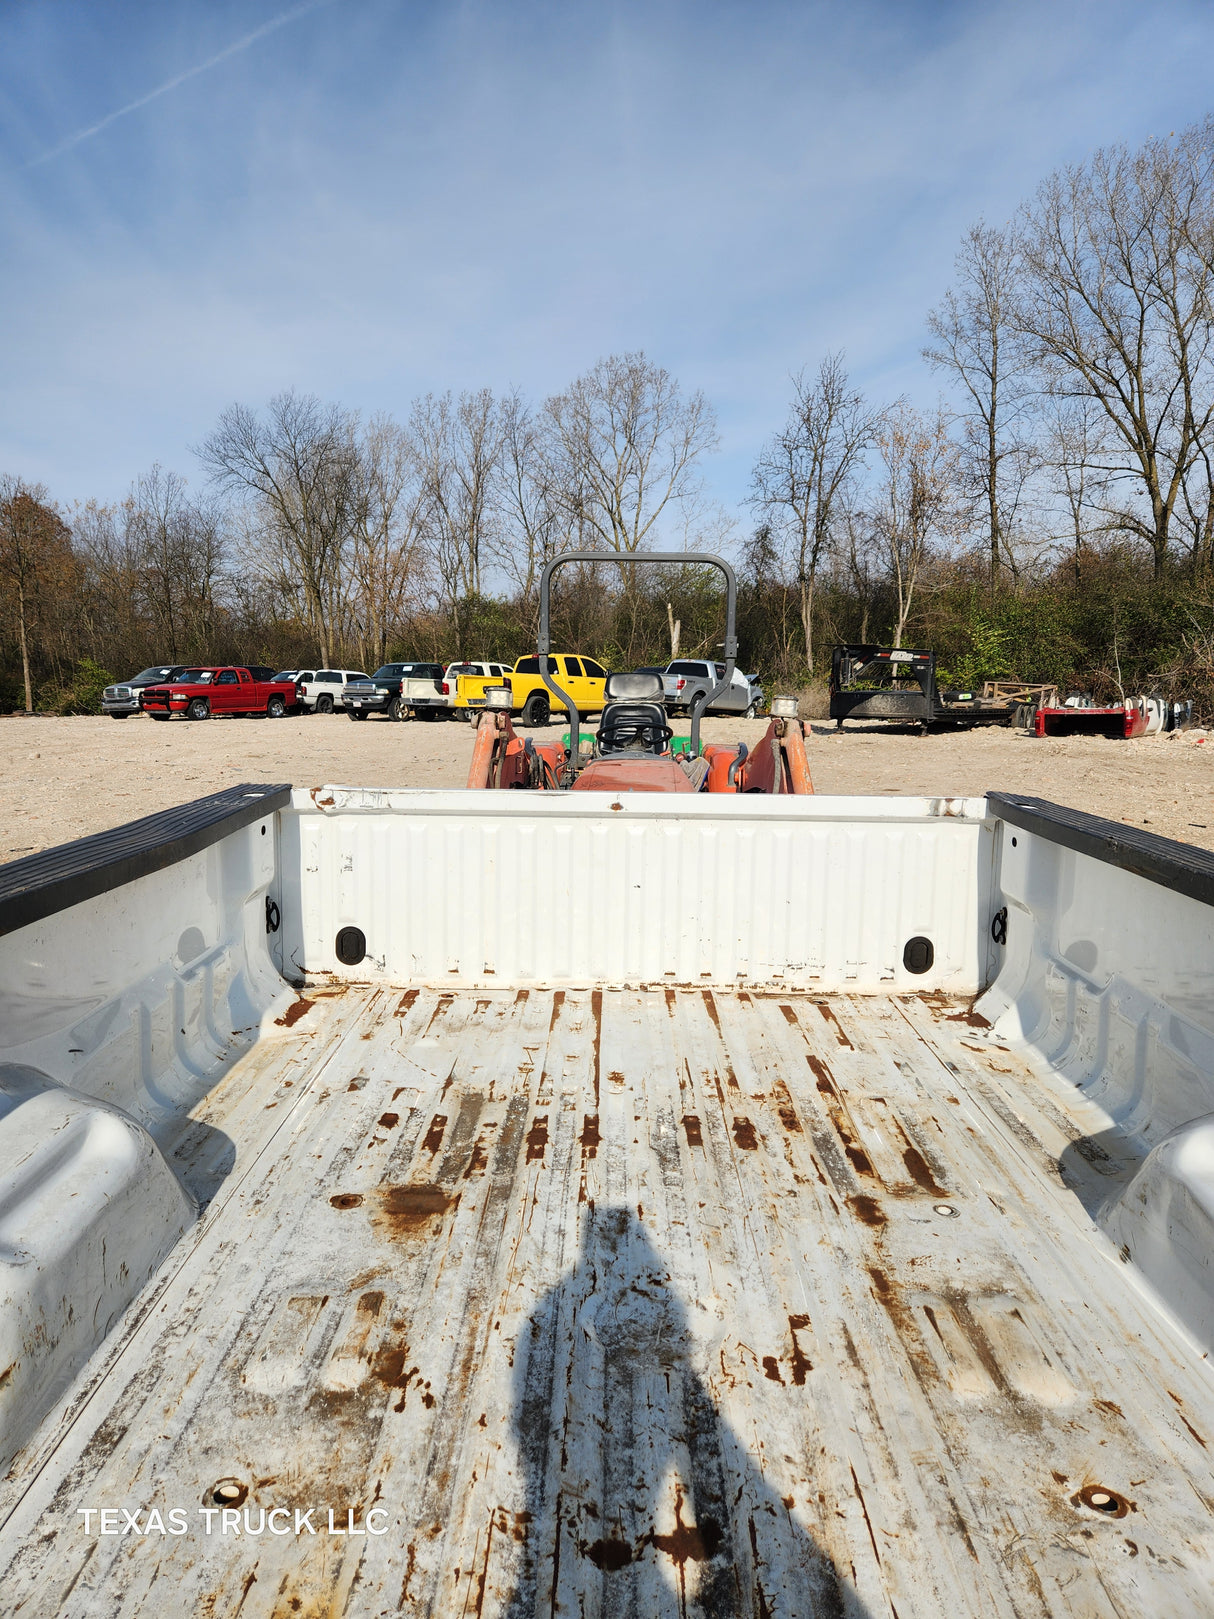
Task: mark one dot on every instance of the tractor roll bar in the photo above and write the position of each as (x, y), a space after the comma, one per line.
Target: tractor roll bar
(623, 559)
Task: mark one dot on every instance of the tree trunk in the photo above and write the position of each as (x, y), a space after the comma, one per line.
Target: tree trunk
(676, 627)
(807, 620)
(25, 656)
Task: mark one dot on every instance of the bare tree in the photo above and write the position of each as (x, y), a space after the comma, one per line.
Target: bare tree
(388, 560)
(530, 532)
(458, 446)
(626, 442)
(916, 507)
(977, 340)
(35, 545)
(300, 465)
(1117, 308)
(175, 546)
(803, 475)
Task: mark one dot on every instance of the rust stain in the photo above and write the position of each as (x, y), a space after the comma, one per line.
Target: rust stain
(687, 1542)
(405, 1004)
(744, 1135)
(590, 1136)
(867, 1520)
(434, 1135)
(391, 1368)
(691, 1125)
(828, 1014)
(785, 1108)
(294, 1012)
(917, 1169)
(790, 1017)
(596, 1009)
(800, 1361)
(404, 1210)
(537, 1138)
(823, 1075)
(479, 1160)
(771, 1369)
(859, 1159)
(1110, 1406)
(970, 1018)
(389, 1121)
(615, 1077)
(608, 1554)
(442, 1007)
(1109, 1503)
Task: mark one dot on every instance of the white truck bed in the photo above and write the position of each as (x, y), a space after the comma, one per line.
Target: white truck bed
(651, 1299)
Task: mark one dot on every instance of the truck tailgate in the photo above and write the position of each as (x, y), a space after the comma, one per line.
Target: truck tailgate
(778, 1303)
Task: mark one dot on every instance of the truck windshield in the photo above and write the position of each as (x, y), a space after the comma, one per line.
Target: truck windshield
(199, 677)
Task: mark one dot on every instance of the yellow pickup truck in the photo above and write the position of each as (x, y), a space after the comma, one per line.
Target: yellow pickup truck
(582, 678)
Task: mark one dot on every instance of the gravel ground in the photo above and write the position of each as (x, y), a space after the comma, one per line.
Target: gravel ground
(66, 778)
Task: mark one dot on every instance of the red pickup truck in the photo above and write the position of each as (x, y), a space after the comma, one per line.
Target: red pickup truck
(203, 692)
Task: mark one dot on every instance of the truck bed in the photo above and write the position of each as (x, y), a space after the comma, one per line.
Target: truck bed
(645, 1301)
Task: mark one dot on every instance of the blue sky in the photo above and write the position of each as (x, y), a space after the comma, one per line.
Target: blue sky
(374, 198)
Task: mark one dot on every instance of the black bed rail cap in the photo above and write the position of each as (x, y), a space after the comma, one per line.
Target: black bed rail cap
(1182, 867)
(44, 883)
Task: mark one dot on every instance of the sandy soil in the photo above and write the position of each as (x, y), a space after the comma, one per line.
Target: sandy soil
(65, 778)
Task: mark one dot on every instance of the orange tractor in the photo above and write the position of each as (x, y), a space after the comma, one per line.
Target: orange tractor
(632, 751)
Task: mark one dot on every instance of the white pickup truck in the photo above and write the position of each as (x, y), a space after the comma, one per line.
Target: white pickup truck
(425, 1202)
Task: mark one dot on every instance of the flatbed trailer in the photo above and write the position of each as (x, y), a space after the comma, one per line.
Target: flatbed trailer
(899, 685)
(592, 1205)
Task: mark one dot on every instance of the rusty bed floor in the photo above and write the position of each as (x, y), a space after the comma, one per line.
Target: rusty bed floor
(639, 1303)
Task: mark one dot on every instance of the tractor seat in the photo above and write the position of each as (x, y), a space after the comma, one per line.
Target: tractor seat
(633, 720)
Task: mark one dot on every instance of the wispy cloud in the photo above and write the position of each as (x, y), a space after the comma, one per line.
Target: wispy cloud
(234, 49)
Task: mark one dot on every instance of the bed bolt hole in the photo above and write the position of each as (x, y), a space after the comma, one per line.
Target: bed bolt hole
(351, 946)
(919, 954)
(346, 1200)
(1101, 1499)
(947, 1210)
(229, 1492)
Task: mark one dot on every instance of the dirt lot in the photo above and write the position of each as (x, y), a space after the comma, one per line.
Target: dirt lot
(65, 778)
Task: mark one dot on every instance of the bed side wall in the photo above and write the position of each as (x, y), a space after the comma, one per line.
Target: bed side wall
(1107, 977)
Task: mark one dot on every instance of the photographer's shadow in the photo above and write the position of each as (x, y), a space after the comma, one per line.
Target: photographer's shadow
(634, 1484)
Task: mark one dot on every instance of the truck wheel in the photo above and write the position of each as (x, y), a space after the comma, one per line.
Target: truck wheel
(752, 712)
(394, 711)
(199, 709)
(275, 708)
(536, 710)
(358, 713)
(324, 704)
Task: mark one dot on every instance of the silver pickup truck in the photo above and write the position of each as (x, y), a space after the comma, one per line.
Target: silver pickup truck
(687, 678)
(515, 1203)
